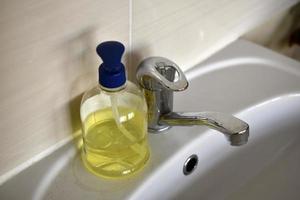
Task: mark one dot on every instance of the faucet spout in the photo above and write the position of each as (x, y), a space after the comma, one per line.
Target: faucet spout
(236, 130)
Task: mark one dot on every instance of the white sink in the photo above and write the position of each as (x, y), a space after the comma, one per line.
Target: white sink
(267, 168)
(253, 83)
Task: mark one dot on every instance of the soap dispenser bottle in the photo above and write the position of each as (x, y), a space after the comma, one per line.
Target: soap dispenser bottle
(114, 119)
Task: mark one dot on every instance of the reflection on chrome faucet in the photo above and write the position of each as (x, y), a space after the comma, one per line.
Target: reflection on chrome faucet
(160, 77)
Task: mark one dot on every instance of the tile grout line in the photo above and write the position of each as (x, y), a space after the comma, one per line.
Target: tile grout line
(130, 31)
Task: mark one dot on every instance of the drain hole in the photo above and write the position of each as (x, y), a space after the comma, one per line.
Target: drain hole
(190, 164)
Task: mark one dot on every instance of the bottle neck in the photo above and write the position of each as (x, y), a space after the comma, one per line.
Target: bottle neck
(117, 89)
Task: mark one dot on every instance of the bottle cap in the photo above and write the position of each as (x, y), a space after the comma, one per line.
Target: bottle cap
(111, 71)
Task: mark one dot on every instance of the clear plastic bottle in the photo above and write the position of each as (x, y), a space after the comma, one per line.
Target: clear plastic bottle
(114, 120)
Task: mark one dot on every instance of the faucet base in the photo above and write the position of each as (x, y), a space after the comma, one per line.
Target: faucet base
(158, 129)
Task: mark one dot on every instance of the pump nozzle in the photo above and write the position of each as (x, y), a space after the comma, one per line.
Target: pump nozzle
(112, 70)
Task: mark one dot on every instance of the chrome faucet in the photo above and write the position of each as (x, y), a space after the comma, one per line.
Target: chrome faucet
(160, 77)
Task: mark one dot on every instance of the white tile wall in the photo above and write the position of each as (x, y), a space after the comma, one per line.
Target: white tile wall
(47, 59)
(191, 30)
(276, 32)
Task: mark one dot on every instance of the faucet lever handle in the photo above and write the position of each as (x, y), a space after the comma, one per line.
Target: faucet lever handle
(163, 71)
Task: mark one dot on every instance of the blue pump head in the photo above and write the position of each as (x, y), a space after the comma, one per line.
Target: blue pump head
(111, 71)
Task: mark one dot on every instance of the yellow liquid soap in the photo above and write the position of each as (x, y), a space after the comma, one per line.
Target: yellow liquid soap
(115, 148)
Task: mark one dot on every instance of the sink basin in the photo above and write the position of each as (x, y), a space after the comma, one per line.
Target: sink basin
(266, 168)
(253, 83)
